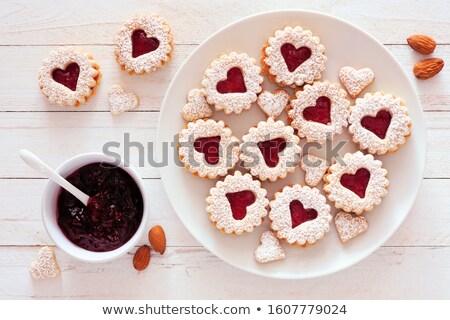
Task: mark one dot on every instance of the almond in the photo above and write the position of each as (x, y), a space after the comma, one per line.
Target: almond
(428, 68)
(422, 44)
(141, 258)
(157, 239)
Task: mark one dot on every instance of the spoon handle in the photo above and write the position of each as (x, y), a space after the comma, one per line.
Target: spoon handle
(37, 164)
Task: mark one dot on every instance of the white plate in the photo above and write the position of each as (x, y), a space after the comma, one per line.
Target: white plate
(345, 45)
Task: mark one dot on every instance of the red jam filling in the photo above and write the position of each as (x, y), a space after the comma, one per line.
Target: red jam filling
(294, 57)
(239, 201)
(67, 77)
(299, 214)
(270, 150)
(379, 124)
(234, 83)
(357, 182)
(141, 44)
(209, 146)
(320, 112)
(114, 211)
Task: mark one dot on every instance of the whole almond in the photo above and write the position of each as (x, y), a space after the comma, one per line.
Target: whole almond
(428, 68)
(422, 44)
(157, 239)
(141, 258)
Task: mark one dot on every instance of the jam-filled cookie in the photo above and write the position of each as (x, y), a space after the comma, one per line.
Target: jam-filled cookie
(68, 76)
(270, 151)
(232, 82)
(319, 111)
(300, 215)
(356, 185)
(379, 123)
(293, 57)
(208, 148)
(143, 44)
(238, 204)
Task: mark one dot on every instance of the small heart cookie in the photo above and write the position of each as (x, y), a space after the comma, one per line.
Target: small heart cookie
(45, 266)
(348, 226)
(120, 101)
(197, 106)
(270, 248)
(315, 168)
(355, 81)
(273, 103)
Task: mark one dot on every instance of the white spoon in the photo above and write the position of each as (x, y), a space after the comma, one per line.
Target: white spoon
(37, 164)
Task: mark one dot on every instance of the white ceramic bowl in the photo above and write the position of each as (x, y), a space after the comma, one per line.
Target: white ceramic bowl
(49, 211)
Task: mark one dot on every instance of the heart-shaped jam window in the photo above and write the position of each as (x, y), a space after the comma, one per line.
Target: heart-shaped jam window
(234, 83)
(379, 124)
(270, 150)
(141, 44)
(356, 182)
(67, 77)
(299, 214)
(210, 147)
(320, 112)
(239, 201)
(294, 57)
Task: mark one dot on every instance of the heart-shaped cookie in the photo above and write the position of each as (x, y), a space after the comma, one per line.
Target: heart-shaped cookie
(45, 265)
(197, 106)
(120, 101)
(355, 81)
(270, 248)
(348, 226)
(273, 103)
(314, 167)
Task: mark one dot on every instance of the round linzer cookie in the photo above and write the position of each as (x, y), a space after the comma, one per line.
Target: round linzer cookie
(232, 82)
(300, 215)
(143, 44)
(319, 111)
(238, 204)
(358, 184)
(270, 151)
(208, 148)
(379, 123)
(68, 76)
(293, 57)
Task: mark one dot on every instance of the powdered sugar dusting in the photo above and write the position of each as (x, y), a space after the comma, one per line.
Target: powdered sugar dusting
(45, 266)
(120, 101)
(273, 103)
(346, 199)
(356, 81)
(197, 106)
(60, 59)
(348, 226)
(219, 208)
(398, 130)
(309, 231)
(232, 102)
(270, 248)
(315, 131)
(314, 167)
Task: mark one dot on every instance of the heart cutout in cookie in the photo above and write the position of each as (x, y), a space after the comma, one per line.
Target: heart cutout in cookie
(141, 44)
(197, 106)
(379, 124)
(234, 83)
(67, 77)
(270, 248)
(348, 226)
(320, 113)
(120, 101)
(209, 146)
(356, 182)
(273, 103)
(314, 167)
(299, 214)
(355, 81)
(294, 57)
(45, 266)
(270, 150)
(239, 201)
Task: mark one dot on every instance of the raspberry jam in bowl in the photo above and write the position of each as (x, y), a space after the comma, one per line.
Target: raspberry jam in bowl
(115, 218)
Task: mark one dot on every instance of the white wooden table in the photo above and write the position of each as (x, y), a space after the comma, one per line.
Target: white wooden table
(414, 263)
